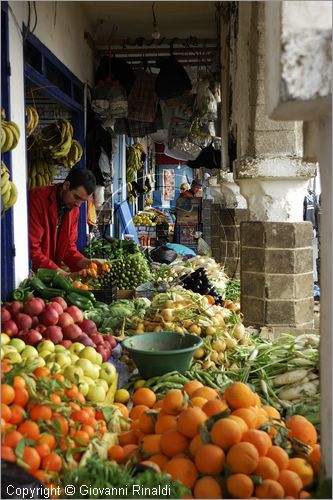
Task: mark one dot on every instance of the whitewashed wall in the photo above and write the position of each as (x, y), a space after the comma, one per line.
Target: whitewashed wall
(60, 27)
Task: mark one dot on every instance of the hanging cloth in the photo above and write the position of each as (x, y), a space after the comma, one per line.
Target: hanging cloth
(143, 100)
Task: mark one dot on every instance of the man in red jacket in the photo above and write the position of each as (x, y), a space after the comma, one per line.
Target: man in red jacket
(53, 222)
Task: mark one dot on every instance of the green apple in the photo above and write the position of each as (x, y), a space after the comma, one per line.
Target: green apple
(108, 372)
(98, 359)
(88, 353)
(89, 380)
(103, 383)
(44, 354)
(8, 348)
(73, 357)
(73, 373)
(35, 360)
(46, 345)
(19, 344)
(5, 339)
(54, 367)
(76, 347)
(14, 357)
(59, 348)
(29, 352)
(83, 387)
(2, 354)
(96, 394)
(63, 359)
(89, 369)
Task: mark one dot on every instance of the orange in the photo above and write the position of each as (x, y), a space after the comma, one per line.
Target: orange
(5, 412)
(158, 404)
(165, 423)
(123, 409)
(205, 392)
(315, 458)
(303, 469)
(137, 411)
(116, 453)
(7, 394)
(225, 433)
(272, 412)
(189, 421)
(144, 396)
(12, 439)
(42, 449)
(214, 406)
(159, 459)
(48, 439)
(88, 429)
(52, 463)
(259, 439)
(207, 487)
(31, 458)
(40, 475)
(267, 469)
(147, 422)
(243, 457)
(173, 442)
(18, 381)
(182, 469)
(198, 401)
(240, 486)
(248, 415)
(62, 422)
(7, 454)
(303, 430)
(304, 494)
(269, 489)
(174, 402)
(130, 450)
(151, 445)
(191, 386)
(17, 414)
(40, 412)
(127, 437)
(209, 459)
(279, 456)
(81, 438)
(239, 395)
(42, 372)
(29, 429)
(291, 483)
(243, 425)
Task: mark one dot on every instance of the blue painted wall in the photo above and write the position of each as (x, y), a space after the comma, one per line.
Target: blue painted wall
(184, 170)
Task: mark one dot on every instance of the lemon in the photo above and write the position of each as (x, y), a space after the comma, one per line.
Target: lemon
(139, 383)
(121, 396)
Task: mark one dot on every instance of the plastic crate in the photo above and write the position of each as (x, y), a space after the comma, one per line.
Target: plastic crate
(107, 295)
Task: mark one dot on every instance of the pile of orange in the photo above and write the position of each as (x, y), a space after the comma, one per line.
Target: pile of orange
(214, 443)
(38, 433)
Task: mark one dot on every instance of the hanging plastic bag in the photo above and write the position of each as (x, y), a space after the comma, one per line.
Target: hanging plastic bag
(209, 158)
(205, 104)
(172, 80)
(118, 101)
(199, 134)
(203, 247)
(100, 101)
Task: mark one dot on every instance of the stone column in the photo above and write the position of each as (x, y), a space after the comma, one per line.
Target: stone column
(299, 87)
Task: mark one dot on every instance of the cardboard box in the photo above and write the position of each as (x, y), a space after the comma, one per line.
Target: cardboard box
(126, 294)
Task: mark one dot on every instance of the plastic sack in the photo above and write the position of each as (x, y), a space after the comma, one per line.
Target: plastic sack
(17, 483)
(203, 247)
(172, 80)
(199, 134)
(205, 104)
(163, 254)
(209, 158)
(118, 101)
(181, 249)
(182, 149)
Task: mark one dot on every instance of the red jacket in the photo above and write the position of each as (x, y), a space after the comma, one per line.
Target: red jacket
(48, 250)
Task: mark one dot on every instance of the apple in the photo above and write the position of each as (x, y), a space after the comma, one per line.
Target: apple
(76, 347)
(103, 351)
(103, 383)
(54, 367)
(29, 352)
(83, 387)
(40, 328)
(8, 348)
(71, 332)
(49, 316)
(76, 313)
(46, 345)
(73, 373)
(96, 394)
(89, 369)
(33, 306)
(111, 339)
(5, 315)
(37, 361)
(55, 306)
(53, 333)
(22, 334)
(66, 343)
(23, 321)
(18, 344)
(88, 380)
(63, 359)
(5, 339)
(65, 319)
(10, 328)
(2, 354)
(108, 372)
(50, 357)
(73, 357)
(60, 301)
(44, 353)
(35, 321)
(14, 308)
(91, 354)
(97, 338)
(85, 340)
(99, 359)
(33, 337)
(88, 326)
(59, 348)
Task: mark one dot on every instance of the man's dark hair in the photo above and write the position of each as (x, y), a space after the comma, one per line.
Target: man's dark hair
(82, 177)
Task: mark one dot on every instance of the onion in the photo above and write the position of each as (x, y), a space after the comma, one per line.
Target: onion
(207, 364)
(239, 331)
(169, 304)
(199, 353)
(210, 330)
(214, 356)
(219, 345)
(167, 314)
(231, 343)
(195, 329)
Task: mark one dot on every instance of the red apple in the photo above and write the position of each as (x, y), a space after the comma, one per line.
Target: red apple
(14, 308)
(5, 315)
(23, 321)
(32, 306)
(55, 306)
(76, 313)
(35, 321)
(111, 340)
(22, 334)
(65, 319)
(40, 328)
(88, 326)
(33, 337)
(49, 316)
(53, 333)
(41, 301)
(66, 343)
(60, 301)
(10, 327)
(97, 338)
(102, 352)
(71, 332)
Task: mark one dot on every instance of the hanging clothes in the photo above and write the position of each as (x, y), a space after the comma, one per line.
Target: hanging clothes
(310, 208)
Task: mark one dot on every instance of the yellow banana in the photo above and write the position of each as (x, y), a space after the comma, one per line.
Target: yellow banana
(13, 195)
(9, 138)
(6, 196)
(3, 137)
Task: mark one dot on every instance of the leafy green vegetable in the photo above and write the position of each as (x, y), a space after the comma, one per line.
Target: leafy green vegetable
(232, 290)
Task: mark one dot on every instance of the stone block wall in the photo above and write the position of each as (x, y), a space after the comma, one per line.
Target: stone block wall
(277, 274)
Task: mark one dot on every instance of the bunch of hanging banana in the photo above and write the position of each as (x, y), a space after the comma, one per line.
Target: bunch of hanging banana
(41, 169)
(10, 135)
(74, 155)
(32, 120)
(131, 197)
(56, 139)
(134, 161)
(8, 189)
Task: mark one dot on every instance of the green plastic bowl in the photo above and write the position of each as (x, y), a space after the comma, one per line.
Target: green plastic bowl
(162, 352)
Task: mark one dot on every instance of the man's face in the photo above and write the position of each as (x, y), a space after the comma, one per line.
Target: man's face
(196, 188)
(72, 198)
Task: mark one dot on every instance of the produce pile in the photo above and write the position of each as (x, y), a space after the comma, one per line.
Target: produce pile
(150, 217)
(10, 134)
(110, 248)
(222, 444)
